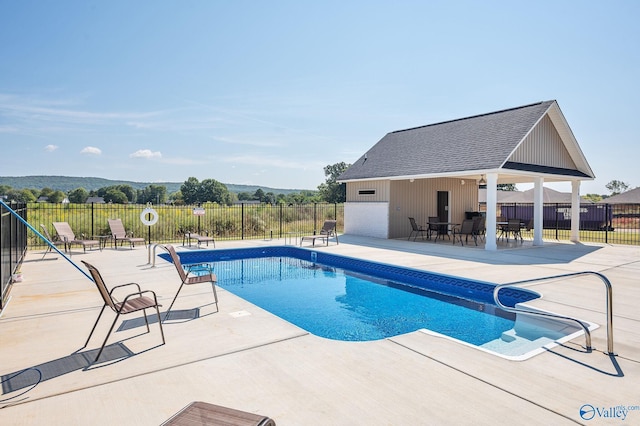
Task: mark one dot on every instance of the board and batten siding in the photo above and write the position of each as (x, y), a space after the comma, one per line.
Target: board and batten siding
(385, 213)
(362, 191)
(419, 199)
(543, 146)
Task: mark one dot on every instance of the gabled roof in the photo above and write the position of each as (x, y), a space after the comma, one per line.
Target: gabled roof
(630, 197)
(469, 146)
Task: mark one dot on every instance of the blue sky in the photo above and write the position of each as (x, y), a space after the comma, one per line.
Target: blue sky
(268, 93)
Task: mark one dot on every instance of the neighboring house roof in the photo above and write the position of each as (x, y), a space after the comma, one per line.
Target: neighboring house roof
(548, 196)
(42, 199)
(472, 146)
(630, 197)
(96, 200)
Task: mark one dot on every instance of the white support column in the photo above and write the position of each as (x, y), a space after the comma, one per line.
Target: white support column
(575, 211)
(538, 210)
(492, 199)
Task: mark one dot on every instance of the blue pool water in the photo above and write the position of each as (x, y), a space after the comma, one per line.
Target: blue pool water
(349, 299)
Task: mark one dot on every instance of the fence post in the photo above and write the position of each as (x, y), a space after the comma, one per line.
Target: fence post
(556, 221)
(280, 236)
(92, 221)
(315, 217)
(242, 222)
(607, 222)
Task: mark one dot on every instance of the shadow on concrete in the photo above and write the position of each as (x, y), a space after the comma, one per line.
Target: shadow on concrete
(31, 376)
(521, 253)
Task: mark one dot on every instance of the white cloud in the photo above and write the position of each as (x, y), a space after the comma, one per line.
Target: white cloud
(37, 109)
(146, 153)
(91, 150)
(51, 148)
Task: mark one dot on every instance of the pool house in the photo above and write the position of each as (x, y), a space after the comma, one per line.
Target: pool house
(437, 170)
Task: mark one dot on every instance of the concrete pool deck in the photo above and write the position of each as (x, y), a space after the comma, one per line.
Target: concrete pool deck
(245, 358)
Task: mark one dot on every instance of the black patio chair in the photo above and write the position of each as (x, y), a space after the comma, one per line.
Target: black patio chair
(514, 226)
(480, 227)
(466, 229)
(416, 229)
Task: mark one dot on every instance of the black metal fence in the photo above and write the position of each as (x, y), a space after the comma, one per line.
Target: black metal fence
(13, 245)
(241, 221)
(605, 223)
(599, 222)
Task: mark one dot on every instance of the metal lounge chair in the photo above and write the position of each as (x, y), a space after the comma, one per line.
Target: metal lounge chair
(204, 274)
(328, 230)
(188, 236)
(55, 241)
(416, 229)
(65, 234)
(132, 302)
(118, 233)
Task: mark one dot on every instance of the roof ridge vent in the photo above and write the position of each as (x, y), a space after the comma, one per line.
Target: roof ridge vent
(470, 117)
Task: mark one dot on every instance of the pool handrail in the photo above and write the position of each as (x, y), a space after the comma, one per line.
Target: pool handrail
(587, 332)
(155, 246)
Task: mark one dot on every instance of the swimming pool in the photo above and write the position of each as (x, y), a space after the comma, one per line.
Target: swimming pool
(350, 299)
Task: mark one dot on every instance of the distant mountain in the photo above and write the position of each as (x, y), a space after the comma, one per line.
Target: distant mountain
(68, 183)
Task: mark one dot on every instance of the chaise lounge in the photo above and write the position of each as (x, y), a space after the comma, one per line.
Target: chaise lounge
(188, 236)
(118, 233)
(328, 230)
(55, 241)
(66, 235)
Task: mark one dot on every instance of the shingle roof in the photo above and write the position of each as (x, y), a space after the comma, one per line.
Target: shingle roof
(481, 142)
(630, 197)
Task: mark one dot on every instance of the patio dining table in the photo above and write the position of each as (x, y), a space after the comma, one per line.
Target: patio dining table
(500, 224)
(442, 225)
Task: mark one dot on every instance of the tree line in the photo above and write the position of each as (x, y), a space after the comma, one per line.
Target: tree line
(192, 191)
